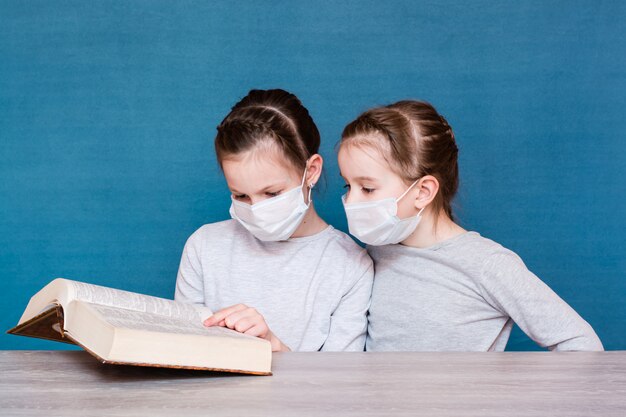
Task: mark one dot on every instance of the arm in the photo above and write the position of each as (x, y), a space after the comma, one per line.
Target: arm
(348, 323)
(190, 281)
(548, 320)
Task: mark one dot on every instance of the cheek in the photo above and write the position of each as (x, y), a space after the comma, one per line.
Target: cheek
(406, 208)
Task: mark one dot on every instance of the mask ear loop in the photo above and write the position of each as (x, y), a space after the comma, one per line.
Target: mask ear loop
(407, 190)
(310, 187)
(419, 213)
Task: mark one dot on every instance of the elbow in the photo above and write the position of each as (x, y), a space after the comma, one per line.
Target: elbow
(587, 341)
(592, 341)
(595, 345)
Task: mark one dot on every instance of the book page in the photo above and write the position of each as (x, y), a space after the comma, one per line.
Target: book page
(105, 296)
(141, 320)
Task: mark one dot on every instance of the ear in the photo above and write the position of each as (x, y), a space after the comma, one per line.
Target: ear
(428, 188)
(314, 170)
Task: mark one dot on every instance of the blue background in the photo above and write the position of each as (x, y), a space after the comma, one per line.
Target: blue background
(108, 112)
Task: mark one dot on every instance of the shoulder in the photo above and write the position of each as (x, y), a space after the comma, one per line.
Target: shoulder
(346, 252)
(484, 251)
(346, 245)
(217, 233)
(499, 264)
(496, 256)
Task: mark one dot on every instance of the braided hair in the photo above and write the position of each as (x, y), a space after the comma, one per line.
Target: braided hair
(269, 117)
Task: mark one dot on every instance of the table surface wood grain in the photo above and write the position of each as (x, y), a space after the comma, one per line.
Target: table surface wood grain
(72, 383)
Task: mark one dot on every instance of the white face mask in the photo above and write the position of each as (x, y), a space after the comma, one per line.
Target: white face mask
(376, 222)
(276, 218)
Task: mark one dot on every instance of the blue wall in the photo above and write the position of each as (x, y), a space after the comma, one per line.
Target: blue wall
(108, 110)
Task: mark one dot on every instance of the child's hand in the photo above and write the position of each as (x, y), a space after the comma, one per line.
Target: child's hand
(246, 320)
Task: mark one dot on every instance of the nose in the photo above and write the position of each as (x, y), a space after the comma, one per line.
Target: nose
(255, 200)
(347, 197)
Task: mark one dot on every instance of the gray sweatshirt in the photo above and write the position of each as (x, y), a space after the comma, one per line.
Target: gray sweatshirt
(464, 295)
(313, 291)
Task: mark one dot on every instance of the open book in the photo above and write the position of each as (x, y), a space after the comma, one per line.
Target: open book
(122, 327)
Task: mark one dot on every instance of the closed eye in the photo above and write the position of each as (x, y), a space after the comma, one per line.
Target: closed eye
(367, 190)
(272, 194)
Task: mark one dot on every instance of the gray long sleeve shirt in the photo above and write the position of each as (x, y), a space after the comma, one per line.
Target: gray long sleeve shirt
(464, 294)
(313, 291)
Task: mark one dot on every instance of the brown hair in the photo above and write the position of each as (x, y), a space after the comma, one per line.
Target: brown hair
(418, 141)
(275, 117)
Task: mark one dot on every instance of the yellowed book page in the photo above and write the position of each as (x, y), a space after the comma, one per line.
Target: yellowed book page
(143, 320)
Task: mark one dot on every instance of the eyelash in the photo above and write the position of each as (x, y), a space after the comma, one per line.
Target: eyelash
(244, 196)
(364, 189)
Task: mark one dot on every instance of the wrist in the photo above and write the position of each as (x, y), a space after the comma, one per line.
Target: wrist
(277, 344)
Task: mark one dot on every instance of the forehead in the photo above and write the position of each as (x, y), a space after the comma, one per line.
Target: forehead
(256, 169)
(357, 160)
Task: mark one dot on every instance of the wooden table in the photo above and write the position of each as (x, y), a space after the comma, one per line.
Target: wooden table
(72, 383)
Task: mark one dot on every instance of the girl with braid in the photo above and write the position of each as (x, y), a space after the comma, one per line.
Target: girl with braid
(437, 287)
(276, 270)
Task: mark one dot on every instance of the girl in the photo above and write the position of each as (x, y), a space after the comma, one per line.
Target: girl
(442, 287)
(276, 270)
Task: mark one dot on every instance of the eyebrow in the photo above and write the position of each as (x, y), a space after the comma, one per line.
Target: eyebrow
(362, 178)
(278, 184)
(365, 179)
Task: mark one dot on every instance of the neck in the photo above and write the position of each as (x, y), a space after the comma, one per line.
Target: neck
(433, 229)
(311, 224)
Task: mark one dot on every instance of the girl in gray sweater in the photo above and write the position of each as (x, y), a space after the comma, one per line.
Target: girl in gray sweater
(276, 270)
(437, 286)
